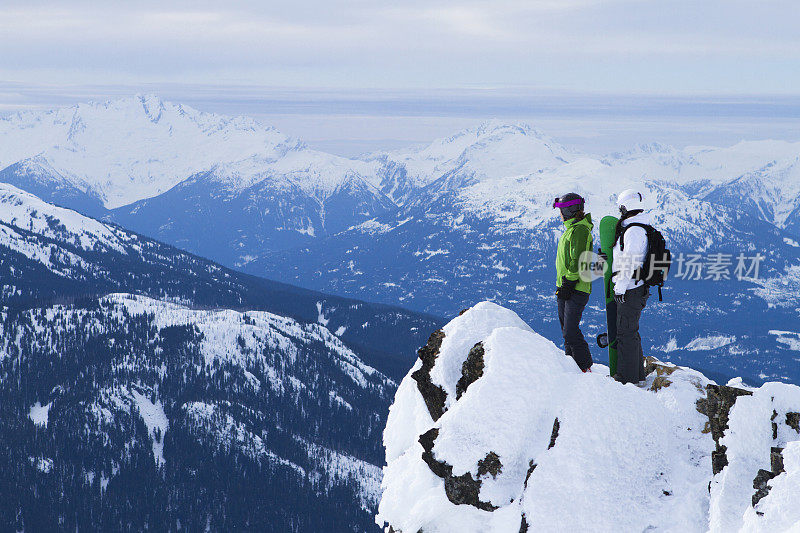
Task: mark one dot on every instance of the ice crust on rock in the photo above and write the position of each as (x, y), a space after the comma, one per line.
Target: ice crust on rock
(548, 448)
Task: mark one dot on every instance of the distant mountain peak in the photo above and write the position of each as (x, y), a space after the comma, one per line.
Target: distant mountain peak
(136, 147)
(497, 126)
(152, 105)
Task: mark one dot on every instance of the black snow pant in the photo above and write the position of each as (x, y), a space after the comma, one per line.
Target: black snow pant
(569, 314)
(630, 358)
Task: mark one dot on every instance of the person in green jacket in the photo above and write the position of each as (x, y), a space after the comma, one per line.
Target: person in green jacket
(572, 292)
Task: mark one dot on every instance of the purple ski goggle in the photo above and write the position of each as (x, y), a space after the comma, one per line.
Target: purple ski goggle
(560, 205)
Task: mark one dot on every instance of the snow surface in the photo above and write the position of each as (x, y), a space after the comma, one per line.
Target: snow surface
(224, 329)
(155, 419)
(492, 149)
(49, 234)
(228, 432)
(24, 211)
(40, 414)
(43, 464)
(780, 508)
(342, 467)
(712, 342)
(625, 459)
(748, 441)
(789, 338)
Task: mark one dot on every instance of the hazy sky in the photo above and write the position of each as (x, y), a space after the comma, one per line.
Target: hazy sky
(356, 75)
(663, 46)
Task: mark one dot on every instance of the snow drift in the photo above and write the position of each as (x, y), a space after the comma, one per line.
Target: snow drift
(494, 429)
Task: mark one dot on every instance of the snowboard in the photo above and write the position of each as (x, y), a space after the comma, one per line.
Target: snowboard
(608, 229)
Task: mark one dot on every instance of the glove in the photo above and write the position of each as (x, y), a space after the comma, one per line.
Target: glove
(619, 298)
(567, 288)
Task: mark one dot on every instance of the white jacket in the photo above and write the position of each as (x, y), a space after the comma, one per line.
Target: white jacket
(626, 262)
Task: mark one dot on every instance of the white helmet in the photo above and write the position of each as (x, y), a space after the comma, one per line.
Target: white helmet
(630, 200)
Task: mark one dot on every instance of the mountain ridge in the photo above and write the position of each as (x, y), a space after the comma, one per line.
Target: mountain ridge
(470, 215)
(50, 252)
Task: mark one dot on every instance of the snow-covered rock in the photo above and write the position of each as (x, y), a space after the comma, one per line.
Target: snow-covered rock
(494, 429)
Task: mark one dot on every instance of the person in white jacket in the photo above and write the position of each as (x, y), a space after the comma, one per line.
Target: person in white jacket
(630, 294)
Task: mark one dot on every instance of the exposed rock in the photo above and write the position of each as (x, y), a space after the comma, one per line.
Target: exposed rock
(471, 370)
(793, 421)
(761, 486)
(427, 441)
(433, 394)
(523, 526)
(653, 365)
(659, 383)
(716, 406)
(774, 424)
(531, 468)
(719, 459)
(554, 434)
(662, 371)
(490, 465)
(463, 489)
(761, 481)
(776, 460)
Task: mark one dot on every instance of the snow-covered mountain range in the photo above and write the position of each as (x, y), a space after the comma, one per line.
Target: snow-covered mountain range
(232, 188)
(430, 228)
(142, 385)
(50, 253)
(225, 187)
(486, 228)
(127, 412)
(494, 430)
(134, 148)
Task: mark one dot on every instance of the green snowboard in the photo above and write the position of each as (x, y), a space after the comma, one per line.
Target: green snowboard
(608, 229)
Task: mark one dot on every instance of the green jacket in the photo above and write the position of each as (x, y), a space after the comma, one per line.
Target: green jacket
(577, 238)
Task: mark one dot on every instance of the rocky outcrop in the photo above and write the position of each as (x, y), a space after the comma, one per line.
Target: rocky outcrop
(463, 489)
(471, 370)
(523, 526)
(717, 406)
(433, 395)
(534, 448)
(554, 433)
(793, 421)
(760, 483)
(490, 465)
(662, 373)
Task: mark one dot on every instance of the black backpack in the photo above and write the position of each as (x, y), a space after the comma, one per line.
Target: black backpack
(658, 260)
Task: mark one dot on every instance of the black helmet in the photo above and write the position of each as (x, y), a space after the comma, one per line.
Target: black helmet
(570, 204)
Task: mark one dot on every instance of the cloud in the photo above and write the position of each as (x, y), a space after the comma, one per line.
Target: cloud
(603, 44)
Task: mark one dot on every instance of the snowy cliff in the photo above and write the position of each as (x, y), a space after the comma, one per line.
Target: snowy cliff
(494, 429)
